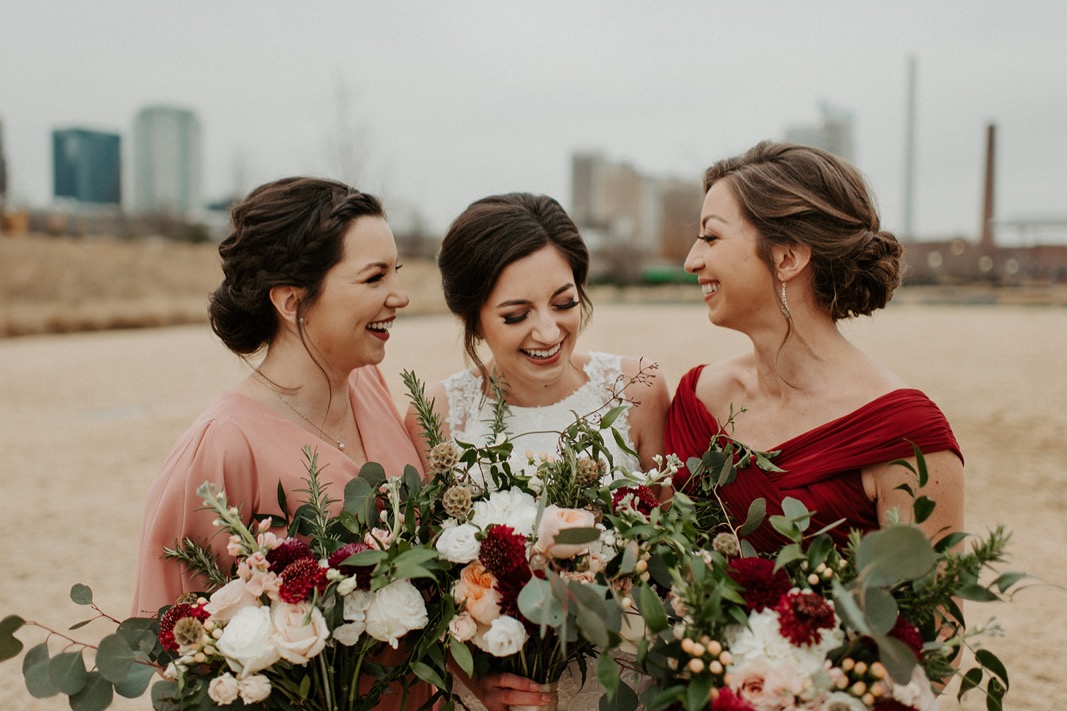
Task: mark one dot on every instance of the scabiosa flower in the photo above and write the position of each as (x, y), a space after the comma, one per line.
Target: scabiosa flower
(589, 470)
(802, 615)
(288, 551)
(726, 544)
(362, 572)
(639, 498)
(170, 619)
(300, 578)
(443, 457)
(907, 633)
(456, 501)
(763, 587)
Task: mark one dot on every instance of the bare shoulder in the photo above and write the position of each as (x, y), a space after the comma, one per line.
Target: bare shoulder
(725, 380)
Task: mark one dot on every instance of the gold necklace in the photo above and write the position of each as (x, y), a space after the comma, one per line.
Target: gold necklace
(327, 435)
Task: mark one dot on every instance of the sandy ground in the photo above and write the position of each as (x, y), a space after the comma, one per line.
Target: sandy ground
(87, 419)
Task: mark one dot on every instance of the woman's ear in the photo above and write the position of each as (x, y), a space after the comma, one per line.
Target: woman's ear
(790, 259)
(287, 300)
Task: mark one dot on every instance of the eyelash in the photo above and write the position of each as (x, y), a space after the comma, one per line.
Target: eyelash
(519, 318)
(378, 277)
(707, 239)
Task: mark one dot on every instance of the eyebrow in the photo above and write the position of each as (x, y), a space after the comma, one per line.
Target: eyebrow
(524, 302)
(374, 265)
(704, 221)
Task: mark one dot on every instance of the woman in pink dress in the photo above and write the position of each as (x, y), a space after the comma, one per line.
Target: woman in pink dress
(790, 243)
(310, 281)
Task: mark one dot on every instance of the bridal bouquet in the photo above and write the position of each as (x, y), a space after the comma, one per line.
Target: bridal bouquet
(325, 618)
(874, 626)
(531, 547)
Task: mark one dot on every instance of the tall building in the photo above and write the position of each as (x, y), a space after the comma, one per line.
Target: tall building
(86, 166)
(166, 161)
(834, 134)
(3, 167)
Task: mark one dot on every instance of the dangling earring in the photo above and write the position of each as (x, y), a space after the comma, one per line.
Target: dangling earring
(784, 306)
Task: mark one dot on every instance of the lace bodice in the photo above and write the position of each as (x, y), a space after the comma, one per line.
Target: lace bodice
(537, 429)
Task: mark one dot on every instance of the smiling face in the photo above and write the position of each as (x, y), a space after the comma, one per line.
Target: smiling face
(530, 323)
(349, 323)
(736, 282)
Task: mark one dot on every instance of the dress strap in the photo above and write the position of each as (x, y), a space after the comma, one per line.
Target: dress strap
(462, 391)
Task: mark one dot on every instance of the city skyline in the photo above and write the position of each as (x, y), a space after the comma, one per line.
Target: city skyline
(437, 104)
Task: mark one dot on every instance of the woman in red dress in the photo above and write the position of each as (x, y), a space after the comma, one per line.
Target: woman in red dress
(790, 243)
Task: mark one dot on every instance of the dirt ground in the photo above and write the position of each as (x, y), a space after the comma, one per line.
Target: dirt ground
(88, 418)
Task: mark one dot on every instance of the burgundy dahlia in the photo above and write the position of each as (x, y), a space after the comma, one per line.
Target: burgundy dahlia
(763, 587)
(641, 498)
(907, 633)
(503, 551)
(801, 615)
(171, 617)
(300, 578)
(727, 700)
(290, 550)
(362, 572)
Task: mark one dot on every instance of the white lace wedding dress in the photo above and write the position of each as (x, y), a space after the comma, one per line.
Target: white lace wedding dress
(537, 429)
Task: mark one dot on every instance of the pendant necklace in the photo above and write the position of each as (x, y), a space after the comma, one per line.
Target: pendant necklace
(340, 443)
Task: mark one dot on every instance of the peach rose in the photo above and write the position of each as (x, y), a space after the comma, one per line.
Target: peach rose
(475, 588)
(554, 520)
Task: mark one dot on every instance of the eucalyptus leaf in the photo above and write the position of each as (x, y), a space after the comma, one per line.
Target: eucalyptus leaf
(96, 695)
(893, 555)
(412, 480)
(373, 473)
(624, 700)
(757, 511)
(923, 507)
(359, 499)
(976, 593)
(696, 696)
(577, 536)
(880, 610)
(67, 672)
(137, 680)
(35, 672)
(593, 626)
(10, 645)
(607, 673)
(897, 657)
(427, 674)
(788, 554)
(795, 509)
(81, 594)
(847, 608)
(540, 606)
(114, 657)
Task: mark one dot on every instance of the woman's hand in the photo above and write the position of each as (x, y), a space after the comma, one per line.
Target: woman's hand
(499, 691)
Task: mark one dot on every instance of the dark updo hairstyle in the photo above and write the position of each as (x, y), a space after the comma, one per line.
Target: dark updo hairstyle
(491, 234)
(289, 232)
(800, 195)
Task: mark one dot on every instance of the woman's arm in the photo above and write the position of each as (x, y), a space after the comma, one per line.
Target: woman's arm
(649, 411)
(945, 487)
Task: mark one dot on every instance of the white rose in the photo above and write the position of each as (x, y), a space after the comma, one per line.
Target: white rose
(917, 692)
(300, 631)
(223, 689)
(462, 627)
(227, 600)
(246, 641)
(355, 611)
(396, 609)
(555, 520)
(254, 689)
(505, 637)
(509, 507)
(458, 543)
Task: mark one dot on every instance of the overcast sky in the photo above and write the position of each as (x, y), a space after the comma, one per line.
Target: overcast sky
(446, 102)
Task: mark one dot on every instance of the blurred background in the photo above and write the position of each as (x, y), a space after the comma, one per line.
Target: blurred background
(143, 122)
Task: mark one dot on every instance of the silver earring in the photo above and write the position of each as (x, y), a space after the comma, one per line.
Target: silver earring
(784, 306)
(301, 319)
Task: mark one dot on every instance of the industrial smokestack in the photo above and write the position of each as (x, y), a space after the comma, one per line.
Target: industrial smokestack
(908, 231)
(986, 242)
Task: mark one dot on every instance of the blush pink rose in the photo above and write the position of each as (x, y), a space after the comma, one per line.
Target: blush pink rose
(555, 520)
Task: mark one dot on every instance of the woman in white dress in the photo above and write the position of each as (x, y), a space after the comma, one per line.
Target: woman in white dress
(513, 269)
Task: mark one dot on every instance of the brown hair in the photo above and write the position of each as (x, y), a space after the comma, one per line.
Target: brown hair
(491, 234)
(289, 232)
(796, 194)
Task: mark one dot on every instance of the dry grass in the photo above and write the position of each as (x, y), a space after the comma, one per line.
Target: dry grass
(61, 285)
